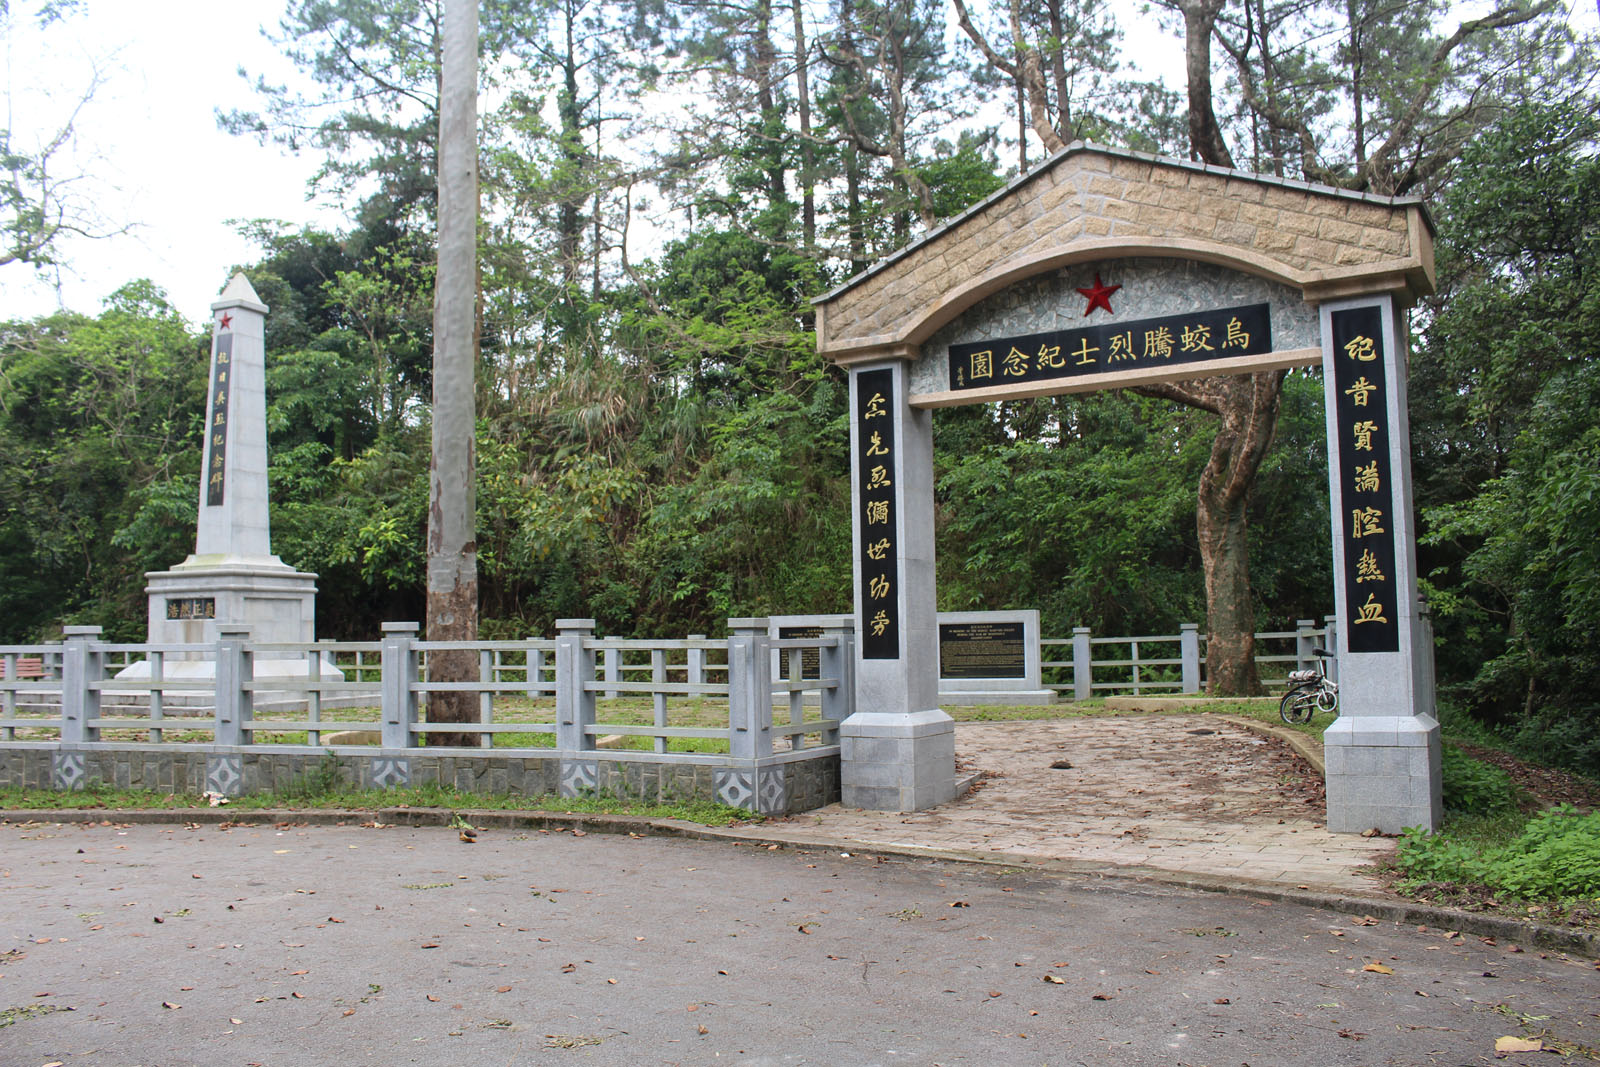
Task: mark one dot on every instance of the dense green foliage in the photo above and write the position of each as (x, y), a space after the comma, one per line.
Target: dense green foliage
(1506, 394)
(1473, 787)
(1555, 857)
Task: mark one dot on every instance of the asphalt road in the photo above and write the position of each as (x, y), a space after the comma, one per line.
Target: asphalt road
(285, 945)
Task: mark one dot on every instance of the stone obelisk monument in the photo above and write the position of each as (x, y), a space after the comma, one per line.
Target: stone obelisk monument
(233, 579)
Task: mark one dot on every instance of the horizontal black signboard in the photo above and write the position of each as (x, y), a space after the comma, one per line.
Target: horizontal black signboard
(1196, 337)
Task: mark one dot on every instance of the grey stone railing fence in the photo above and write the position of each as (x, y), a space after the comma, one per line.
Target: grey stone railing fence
(79, 722)
(1176, 667)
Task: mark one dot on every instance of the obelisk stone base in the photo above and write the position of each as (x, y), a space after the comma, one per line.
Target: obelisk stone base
(1382, 773)
(897, 762)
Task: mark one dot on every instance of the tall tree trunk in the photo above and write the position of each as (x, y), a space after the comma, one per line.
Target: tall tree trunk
(452, 497)
(1205, 133)
(574, 156)
(1058, 71)
(808, 161)
(1247, 406)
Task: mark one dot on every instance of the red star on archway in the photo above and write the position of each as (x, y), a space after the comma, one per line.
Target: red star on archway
(1099, 296)
(227, 318)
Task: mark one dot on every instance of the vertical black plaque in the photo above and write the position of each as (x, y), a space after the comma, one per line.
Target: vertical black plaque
(1365, 499)
(879, 548)
(217, 431)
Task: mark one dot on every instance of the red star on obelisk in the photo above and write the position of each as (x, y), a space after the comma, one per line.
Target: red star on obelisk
(1099, 296)
(227, 318)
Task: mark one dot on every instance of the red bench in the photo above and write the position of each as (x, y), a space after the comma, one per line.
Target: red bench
(27, 667)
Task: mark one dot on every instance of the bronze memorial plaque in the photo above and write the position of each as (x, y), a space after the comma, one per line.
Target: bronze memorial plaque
(810, 658)
(981, 650)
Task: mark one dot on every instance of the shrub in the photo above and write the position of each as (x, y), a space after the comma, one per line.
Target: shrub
(1556, 857)
(1472, 787)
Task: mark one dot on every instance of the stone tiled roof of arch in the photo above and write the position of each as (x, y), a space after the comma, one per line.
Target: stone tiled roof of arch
(1089, 202)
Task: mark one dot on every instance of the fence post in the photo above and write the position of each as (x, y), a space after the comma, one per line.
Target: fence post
(81, 663)
(1305, 639)
(1330, 641)
(399, 675)
(696, 660)
(235, 705)
(612, 658)
(1082, 677)
(574, 667)
(749, 689)
(1189, 652)
(838, 662)
(1425, 624)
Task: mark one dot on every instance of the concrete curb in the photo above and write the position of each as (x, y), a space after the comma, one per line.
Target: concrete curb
(1555, 938)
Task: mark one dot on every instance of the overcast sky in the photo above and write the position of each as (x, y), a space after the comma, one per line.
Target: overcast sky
(149, 139)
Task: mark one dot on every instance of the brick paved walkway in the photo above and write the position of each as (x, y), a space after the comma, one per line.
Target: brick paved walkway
(1188, 794)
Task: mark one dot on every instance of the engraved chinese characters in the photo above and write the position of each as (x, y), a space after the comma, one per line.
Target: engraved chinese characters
(191, 607)
(1365, 496)
(879, 532)
(217, 429)
(1198, 337)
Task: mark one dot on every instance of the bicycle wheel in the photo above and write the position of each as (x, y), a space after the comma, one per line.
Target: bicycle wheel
(1296, 707)
(1328, 700)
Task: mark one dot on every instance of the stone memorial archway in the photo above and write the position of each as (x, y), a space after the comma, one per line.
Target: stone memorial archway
(1104, 269)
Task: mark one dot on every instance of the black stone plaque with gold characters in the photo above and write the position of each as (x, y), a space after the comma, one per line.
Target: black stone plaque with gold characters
(1109, 348)
(1365, 498)
(217, 432)
(981, 650)
(879, 550)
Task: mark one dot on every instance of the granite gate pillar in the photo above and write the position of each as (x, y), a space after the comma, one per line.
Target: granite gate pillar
(898, 750)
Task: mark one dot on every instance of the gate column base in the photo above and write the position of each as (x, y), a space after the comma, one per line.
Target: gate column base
(1382, 773)
(897, 762)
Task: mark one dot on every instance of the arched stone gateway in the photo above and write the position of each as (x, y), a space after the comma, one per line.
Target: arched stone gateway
(1103, 269)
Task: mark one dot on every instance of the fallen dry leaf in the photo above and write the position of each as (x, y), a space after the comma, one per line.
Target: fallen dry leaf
(1222, 1000)
(704, 1029)
(1518, 1044)
(1378, 968)
(1101, 996)
(433, 998)
(1055, 979)
(169, 1004)
(503, 989)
